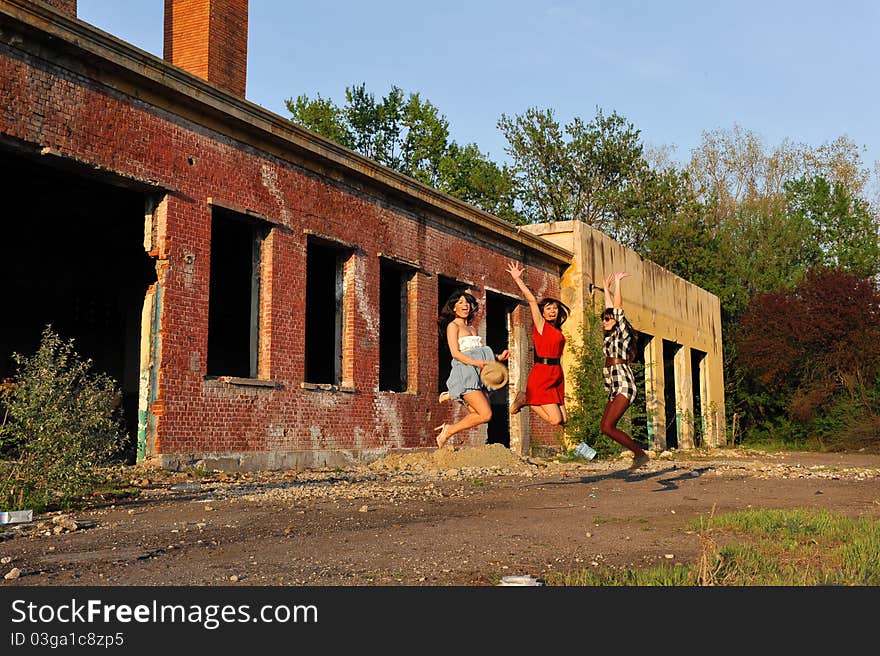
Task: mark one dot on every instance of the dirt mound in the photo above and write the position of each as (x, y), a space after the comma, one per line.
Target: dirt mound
(489, 456)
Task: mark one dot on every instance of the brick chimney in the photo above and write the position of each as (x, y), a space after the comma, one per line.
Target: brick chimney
(208, 38)
(66, 7)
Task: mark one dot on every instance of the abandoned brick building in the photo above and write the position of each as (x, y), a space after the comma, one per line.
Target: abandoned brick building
(266, 298)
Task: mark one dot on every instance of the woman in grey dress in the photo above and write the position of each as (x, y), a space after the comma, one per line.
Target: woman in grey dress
(469, 356)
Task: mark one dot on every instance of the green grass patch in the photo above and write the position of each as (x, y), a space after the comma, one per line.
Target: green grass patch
(763, 548)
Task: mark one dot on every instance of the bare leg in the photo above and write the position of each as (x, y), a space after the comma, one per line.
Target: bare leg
(550, 412)
(613, 412)
(481, 413)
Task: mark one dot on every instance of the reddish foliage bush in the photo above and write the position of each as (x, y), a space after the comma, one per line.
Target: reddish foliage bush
(821, 338)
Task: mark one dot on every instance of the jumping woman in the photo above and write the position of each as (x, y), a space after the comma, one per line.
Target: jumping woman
(469, 356)
(619, 381)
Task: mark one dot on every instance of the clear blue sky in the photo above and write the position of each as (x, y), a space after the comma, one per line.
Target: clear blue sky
(806, 71)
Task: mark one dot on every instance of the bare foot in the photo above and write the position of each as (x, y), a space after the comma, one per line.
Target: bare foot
(518, 402)
(640, 460)
(443, 436)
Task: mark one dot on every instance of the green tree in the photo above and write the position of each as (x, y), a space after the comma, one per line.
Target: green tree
(596, 172)
(844, 231)
(467, 174)
(409, 134)
(322, 116)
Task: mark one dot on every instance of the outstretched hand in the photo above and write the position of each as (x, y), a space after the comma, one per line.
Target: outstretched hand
(516, 270)
(615, 277)
(503, 355)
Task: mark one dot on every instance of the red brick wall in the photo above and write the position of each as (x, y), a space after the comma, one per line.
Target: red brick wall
(64, 6)
(51, 107)
(208, 38)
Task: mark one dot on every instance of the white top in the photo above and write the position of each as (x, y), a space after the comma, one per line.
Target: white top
(468, 342)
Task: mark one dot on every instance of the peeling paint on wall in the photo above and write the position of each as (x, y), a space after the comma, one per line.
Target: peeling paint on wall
(270, 182)
(388, 417)
(316, 437)
(355, 276)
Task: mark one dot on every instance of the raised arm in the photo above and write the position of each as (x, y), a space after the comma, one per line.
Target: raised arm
(516, 271)
(452, 341)
(614, 279)
(608, 281)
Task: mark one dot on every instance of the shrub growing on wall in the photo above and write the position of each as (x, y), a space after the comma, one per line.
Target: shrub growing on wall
(64, 419)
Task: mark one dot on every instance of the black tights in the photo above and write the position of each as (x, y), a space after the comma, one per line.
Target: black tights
(614, 410)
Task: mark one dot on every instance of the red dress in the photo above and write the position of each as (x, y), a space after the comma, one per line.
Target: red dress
(546, 384)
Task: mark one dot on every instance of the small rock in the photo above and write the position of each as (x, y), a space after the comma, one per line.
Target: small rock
(363, 509)
(14, 573)
(669, 556)
(5, 560)
(234, 578)
(64, 522)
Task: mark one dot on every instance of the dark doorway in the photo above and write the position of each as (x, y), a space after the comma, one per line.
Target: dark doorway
(72, 254)
(498, 310)
(670, 349)
(697, 358)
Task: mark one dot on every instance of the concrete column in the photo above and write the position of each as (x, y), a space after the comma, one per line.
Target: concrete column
(518, 369)
(654, 393)
(684, 398)
(713, 406)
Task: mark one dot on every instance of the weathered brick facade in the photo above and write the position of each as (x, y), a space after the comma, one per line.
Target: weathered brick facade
(75, 100)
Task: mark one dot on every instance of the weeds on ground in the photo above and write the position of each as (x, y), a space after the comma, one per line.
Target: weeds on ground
(768, 548)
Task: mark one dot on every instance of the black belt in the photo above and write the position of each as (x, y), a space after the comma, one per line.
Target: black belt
(546, 360)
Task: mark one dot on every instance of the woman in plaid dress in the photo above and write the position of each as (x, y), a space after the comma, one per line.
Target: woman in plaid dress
(619, 381)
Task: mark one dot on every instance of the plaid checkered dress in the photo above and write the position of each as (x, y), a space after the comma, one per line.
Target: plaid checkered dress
(619, 377)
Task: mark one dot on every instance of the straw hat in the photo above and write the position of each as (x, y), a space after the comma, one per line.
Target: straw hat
(494, 375)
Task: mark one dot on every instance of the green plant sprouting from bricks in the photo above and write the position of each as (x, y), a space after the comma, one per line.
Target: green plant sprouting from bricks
(62, 420)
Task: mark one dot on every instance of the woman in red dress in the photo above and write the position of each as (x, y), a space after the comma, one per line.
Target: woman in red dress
(545, 388)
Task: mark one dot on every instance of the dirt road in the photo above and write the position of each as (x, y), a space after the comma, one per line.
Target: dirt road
(457, 517)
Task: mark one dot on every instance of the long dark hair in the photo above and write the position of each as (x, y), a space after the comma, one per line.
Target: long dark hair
(561, 316)
(447, 314)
